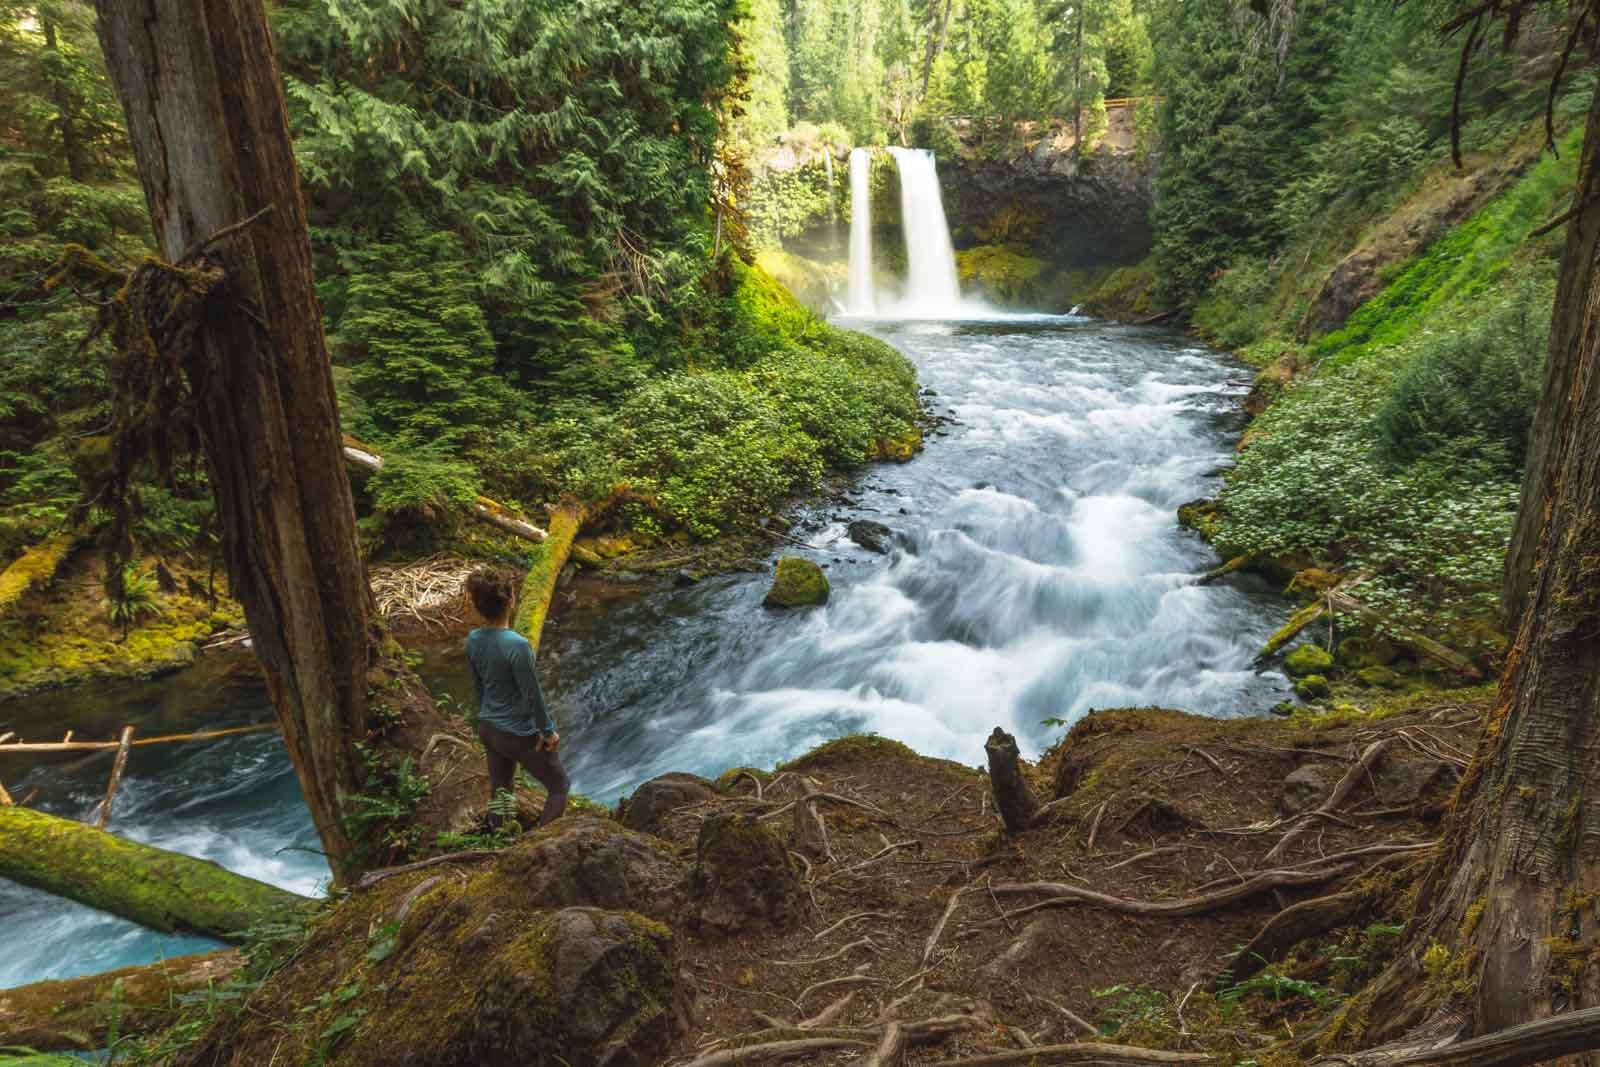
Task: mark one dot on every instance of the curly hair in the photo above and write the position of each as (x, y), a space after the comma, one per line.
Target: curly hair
(491, 589)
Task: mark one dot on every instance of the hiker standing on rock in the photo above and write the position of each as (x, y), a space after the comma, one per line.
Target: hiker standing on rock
(514, 724)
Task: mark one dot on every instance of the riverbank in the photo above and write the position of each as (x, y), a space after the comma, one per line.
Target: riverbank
(904, 901)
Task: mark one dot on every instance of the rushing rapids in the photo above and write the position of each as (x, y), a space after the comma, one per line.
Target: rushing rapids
(1038, 573)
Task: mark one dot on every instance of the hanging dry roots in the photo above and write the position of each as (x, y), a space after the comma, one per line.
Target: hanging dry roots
(428, 591)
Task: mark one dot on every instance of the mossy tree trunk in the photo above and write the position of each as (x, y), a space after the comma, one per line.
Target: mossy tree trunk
(163, 890)
(1506, 927)
(1566, 328)
(204, 103)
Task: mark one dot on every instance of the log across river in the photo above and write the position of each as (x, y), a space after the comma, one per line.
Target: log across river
(1039, 572)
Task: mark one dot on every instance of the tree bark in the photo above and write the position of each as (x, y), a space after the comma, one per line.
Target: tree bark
(78, 1013)
(162, 890)
(936, 42)
(1506, 915)
(1583, 237)
(200, 87)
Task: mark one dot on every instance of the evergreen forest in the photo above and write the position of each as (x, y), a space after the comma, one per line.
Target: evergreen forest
(1026, 532)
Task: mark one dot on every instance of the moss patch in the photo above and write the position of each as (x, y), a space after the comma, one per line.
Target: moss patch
(797, 583)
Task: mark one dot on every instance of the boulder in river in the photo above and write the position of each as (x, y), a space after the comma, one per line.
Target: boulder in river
(872, 536)
(797, 583)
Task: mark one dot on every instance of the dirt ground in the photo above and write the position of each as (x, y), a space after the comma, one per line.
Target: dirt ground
(926, 909)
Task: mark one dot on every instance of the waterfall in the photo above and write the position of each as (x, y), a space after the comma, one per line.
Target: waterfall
(860, 298)
(827, 163)
(931, 285)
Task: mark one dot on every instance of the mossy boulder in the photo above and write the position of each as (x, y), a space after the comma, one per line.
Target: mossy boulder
(1304, 660)
(1311, 583)
(554, 952)
(900, 448)
(797, 583)
(1359, 652)
(1204, 517)
(589, 860)
(1312, 687)
(743, 878)
(1002, 274)
(584, 986)
(665, 793)
(1380, 678)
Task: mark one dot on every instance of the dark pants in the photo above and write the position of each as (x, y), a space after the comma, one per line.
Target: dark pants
(506, 751)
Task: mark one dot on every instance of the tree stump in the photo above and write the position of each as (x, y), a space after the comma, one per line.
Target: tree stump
(1016, 801)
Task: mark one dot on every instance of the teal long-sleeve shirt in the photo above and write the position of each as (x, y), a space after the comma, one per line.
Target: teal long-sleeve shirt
(505, 683)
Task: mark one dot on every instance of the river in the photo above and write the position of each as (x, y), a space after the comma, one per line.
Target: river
(1039, 573)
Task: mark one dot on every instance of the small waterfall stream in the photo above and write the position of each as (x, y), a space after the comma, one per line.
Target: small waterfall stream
(861, 298)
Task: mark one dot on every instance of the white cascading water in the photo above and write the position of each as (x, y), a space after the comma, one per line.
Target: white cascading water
(860, 299)
(827, 163)
(932, 289)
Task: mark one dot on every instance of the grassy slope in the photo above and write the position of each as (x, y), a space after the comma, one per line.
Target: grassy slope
(1314, 480)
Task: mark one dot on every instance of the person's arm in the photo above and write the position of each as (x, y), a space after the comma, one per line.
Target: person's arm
(477, 682)
(532, 694)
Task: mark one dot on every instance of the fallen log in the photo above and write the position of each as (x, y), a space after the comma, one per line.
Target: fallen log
(1516, 1046)
(68, 745)
(35, 567)
(567, 520)
(1220, 571)
(485, 510)
(117, 768)
(163, 890)
(80, 1013)
(1290, 630)
(1341, 601)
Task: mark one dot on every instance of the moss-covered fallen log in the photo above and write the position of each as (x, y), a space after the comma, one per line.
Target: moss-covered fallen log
(567, 520)
(35, 567)
(163, 890)
(80, 1013)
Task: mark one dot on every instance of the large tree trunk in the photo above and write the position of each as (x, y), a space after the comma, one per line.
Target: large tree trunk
(205, 110)
(1506, 916)
(163, 890)
(1583, 235)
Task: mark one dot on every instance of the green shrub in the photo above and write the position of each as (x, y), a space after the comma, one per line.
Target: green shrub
(423, 485)
(1479, 382)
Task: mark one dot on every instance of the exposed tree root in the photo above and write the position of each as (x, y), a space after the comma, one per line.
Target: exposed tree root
(1515, 1046)
(1061, 894)
(1361, 771)
(1087, 1052)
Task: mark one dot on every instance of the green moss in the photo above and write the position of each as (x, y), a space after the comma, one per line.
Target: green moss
(1380, 678)
(848, 750)
(153, 887)
(797, 583)
(1312, 687)
(1125, 293)
(1306, 660)
(34, 568)
(810, 282)
(1001, 273)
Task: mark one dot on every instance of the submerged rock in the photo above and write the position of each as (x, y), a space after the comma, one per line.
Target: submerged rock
(797, 583)
(872, 536)
(668, 792)
(743, 878)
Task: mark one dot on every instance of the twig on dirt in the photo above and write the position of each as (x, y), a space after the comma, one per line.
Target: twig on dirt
(938, 927)
(850, 919)
(1076, 1020)
(830, 1013)
(865, 942)
(828, 983)
(1347, 785)
(891, 1051)
(1151, 854)
(427, 749)
(1183, 1027)
(1084, 1052)
(1209, 758)
(471, 855)
(989, 885)
(1262, 882)
(776, 1050)
(885, 853)
(1094, 826)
